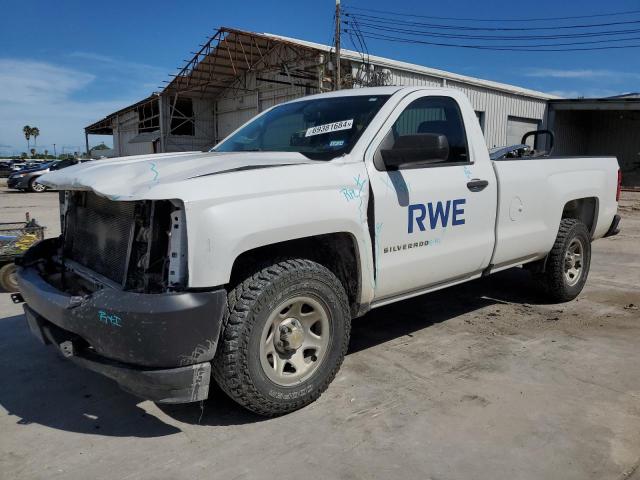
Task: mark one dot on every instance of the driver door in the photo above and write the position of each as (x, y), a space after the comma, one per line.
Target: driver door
(434, 219)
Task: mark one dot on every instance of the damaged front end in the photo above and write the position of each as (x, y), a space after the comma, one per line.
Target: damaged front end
(111, 294)
(138, 246)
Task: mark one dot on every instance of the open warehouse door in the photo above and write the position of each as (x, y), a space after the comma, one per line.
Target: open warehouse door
(604, 126)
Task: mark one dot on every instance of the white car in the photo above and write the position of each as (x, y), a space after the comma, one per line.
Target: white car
(248, 262)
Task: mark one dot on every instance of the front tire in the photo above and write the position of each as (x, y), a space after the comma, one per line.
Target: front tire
(568, 262)
(8, 278)
(36, 187)
(286, 335)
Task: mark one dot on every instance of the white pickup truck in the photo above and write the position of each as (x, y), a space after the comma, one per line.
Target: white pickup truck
(248, 262)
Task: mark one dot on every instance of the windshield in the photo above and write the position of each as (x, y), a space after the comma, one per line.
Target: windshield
(320, 129)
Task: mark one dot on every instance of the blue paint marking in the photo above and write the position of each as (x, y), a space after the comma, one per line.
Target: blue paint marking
(155, 171)
(467, 173)
(356, 192)
(109, 319)
(349, 193)
(439, 212)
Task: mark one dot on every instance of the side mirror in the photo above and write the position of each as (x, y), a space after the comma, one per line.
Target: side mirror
(416, 150)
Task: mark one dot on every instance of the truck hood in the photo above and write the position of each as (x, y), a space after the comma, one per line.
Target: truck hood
(133, 178)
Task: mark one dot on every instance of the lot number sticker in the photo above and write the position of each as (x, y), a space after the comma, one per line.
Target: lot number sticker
(329, 127)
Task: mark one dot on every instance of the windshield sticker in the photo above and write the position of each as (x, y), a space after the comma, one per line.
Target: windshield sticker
(329, 127)
(336, 143)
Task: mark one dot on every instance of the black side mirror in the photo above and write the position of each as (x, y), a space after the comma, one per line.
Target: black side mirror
(416, 150)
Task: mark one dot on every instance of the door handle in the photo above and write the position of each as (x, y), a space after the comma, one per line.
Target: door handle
(477, 185)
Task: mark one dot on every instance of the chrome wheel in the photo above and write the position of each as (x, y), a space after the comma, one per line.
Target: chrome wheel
(573, 262)
(295, 340)
(38, 187)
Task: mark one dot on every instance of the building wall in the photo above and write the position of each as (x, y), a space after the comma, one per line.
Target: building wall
(603, 132)
(204, 125)
(215, 118)
(125, 128)
(571, 133)
(237, 106)
(496, 106)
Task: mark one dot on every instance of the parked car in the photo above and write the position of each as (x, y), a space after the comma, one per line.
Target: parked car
(5, 169)
(27, 177)
(246, 264)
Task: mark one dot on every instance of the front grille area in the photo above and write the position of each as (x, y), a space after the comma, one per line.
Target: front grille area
(126, 242)
(99, 233)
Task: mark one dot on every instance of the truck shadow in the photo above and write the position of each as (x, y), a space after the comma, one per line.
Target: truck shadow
(406, 317)
(40, 387)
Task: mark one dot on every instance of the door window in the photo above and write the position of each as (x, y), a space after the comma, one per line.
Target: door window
(439, 115)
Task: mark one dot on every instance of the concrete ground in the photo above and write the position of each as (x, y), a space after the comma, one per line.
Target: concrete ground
(480, 381)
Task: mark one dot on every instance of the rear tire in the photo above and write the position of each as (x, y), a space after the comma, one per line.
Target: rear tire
(8, 279)
(286, 335)
(568, 262)
(36, 187)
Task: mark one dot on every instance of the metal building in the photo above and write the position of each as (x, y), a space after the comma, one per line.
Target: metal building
(237, 74)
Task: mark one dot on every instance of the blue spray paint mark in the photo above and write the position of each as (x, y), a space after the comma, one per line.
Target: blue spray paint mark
(109, 319)
(349, 193)
(356, 192)
(468, 173)
(360, 183)
(155, 171)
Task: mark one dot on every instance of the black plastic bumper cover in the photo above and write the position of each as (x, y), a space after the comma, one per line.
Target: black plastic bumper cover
(173, 385)
(154, 345)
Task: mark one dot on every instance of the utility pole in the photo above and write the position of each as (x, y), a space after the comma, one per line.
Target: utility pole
(337, 85)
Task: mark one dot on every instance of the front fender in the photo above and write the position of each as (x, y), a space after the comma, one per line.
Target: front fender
(220, 231)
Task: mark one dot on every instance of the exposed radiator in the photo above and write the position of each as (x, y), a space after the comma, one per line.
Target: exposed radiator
(99, 233)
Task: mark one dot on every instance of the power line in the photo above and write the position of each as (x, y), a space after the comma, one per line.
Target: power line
(486, 29)
(429, 33)
(378, 36)
(540, 19)
(557, 44)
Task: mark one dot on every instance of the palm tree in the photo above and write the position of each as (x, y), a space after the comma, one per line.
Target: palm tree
(33, 152)
(27, 134)
(35, 131)
(46, 153)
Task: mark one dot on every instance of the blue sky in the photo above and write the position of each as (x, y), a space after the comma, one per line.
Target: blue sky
(67, 63)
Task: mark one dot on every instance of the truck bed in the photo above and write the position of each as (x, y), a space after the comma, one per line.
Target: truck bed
(532, 194)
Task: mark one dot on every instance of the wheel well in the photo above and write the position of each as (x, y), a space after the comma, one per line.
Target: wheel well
(336, 251)
(583, 209)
